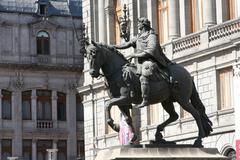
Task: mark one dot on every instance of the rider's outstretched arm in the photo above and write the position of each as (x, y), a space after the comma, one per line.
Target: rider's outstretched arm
(126, 45)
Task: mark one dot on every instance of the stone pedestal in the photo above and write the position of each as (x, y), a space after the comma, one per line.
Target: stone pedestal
(151, 152)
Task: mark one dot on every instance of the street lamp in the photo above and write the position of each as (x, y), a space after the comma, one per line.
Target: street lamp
(124, 23)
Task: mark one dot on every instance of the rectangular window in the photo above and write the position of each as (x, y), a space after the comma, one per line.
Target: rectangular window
(62, 150)
(61, 106)
(44, 105)
(197, 15)
(27, 149)
(42, 146)
(42, 9)
(225, 88)
(232, 9)
(154, 112)
(163, 20)
(79, 108)
(6, 105)
(26, 105)
(80, 149)
(6, 149)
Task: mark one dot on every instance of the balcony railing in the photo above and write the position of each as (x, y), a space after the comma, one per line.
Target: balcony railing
(186, 43)
(211, 37)
(75, 61)
(44, 124)
(224, 30)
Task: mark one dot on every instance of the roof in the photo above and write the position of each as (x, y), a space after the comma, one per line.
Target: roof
(56, 7)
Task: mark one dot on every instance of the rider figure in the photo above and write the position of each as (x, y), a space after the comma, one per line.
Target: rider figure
(149, 56)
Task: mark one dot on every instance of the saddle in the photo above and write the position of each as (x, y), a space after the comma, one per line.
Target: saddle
(131, 78)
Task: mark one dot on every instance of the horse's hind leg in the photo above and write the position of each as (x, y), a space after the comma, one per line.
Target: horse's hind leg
(186, 105)
(128, 118)
(173, 116)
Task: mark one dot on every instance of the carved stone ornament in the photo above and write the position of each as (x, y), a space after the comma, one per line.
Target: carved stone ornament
(18, 81)
(236, 70)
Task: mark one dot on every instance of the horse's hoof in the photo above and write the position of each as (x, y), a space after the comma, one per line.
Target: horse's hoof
(198, 143)
(133, 139)
(158, 136)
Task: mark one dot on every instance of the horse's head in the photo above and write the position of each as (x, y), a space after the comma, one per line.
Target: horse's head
(93, 55)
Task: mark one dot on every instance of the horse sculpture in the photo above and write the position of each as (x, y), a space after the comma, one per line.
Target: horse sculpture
(117, 71)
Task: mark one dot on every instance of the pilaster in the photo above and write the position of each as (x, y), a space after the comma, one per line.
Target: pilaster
(34, 149)
(71, 123)
(54, 108)
(34, 106)
(236, 89)
(0, 109)
(17, 122)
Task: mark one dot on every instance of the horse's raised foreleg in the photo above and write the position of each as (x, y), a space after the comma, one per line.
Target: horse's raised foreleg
(122, 100)
(189, 108)
(173, 116)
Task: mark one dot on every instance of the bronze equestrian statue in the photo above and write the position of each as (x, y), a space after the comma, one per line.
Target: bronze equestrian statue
(147, 83)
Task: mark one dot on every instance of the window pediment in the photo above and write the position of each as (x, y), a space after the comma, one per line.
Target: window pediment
(44, 24)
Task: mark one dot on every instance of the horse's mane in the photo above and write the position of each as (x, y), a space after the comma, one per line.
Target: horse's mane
(114, 50)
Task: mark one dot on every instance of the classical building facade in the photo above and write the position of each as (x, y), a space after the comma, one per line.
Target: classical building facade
(40, 67)
(201, 35)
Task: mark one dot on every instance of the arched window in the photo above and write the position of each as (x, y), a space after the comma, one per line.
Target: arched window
(43, 43)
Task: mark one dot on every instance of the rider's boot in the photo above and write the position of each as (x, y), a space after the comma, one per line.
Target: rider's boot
(145, 94)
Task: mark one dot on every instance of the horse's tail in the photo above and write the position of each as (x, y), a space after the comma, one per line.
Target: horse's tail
(197, 103)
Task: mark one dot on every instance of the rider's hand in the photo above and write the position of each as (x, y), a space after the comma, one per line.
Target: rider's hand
(112, 46)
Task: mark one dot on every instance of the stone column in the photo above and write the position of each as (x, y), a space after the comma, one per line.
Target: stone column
(34, 149)
(185, 17)
(152, 12)
(72, 124)
(34, 106)
(17, 123)
(141, 7)
(174, 19)
(110, 21)
(236, 87)
(54, 109)
(102, 22)
(209, 12)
